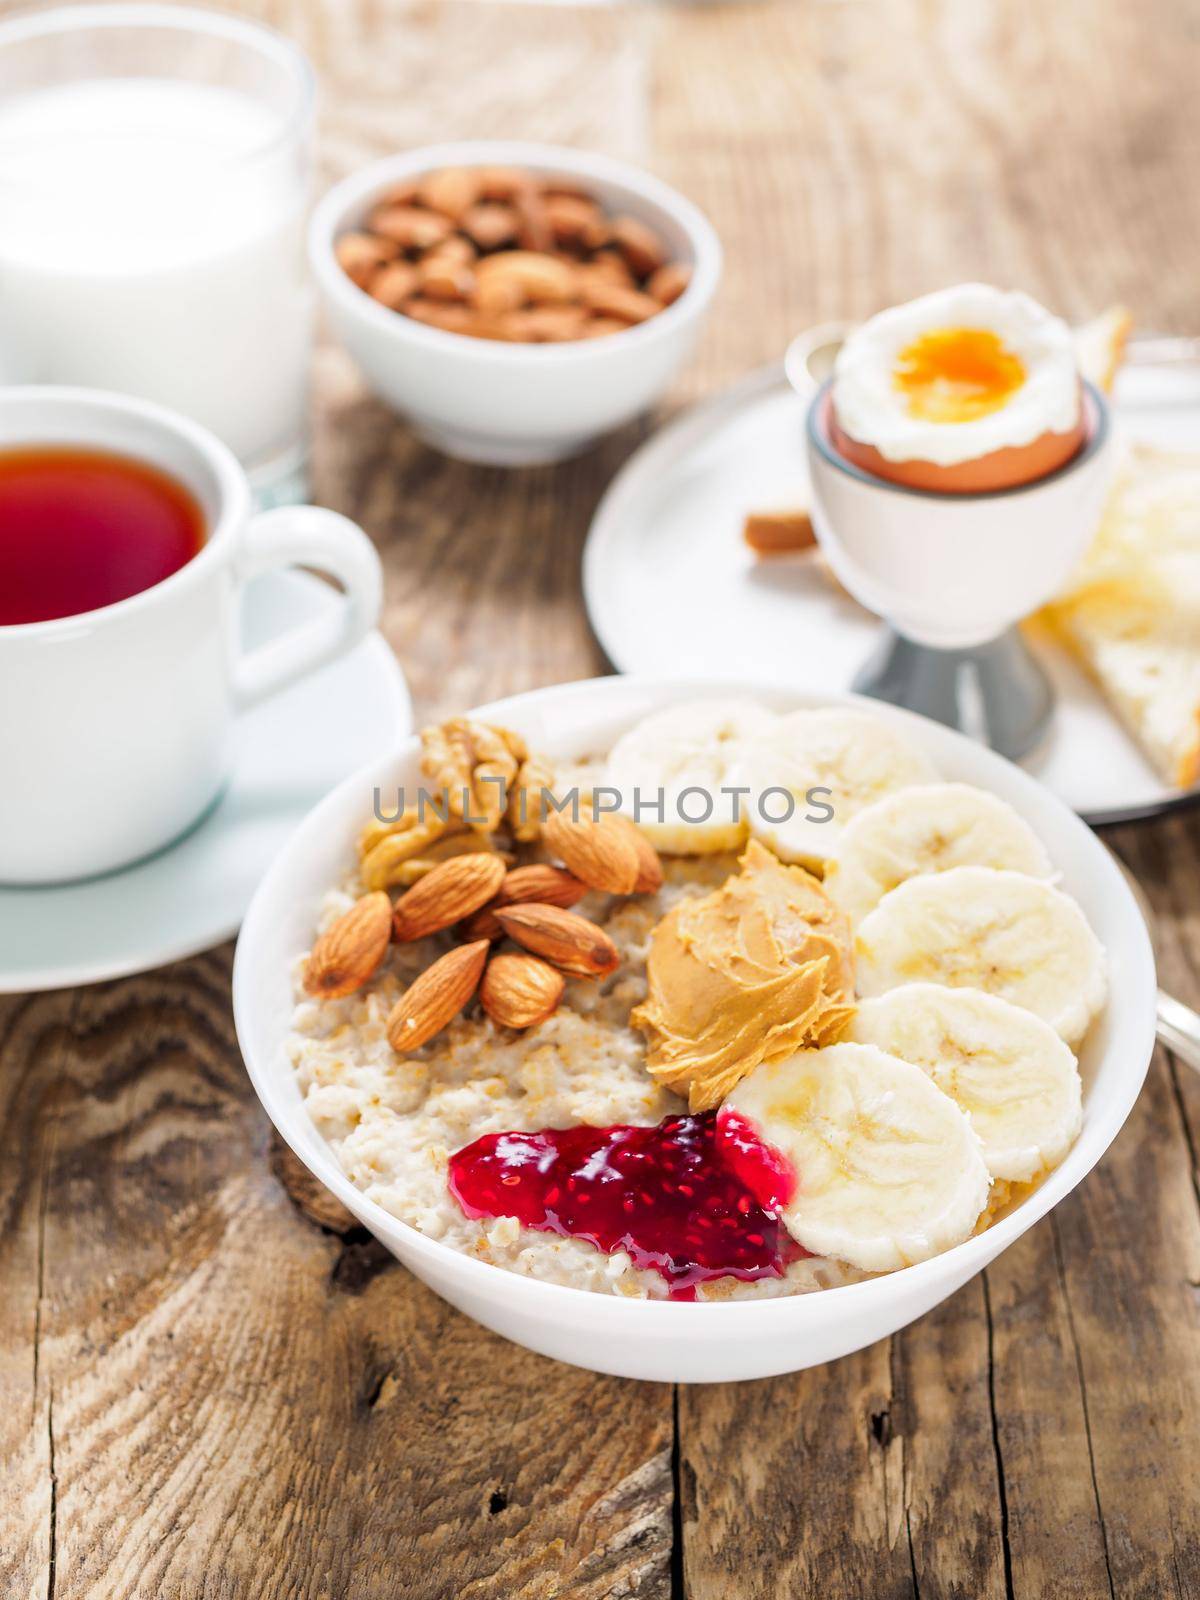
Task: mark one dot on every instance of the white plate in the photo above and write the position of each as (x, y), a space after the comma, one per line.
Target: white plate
(672, 589)
(660, 1339)
(290, 752)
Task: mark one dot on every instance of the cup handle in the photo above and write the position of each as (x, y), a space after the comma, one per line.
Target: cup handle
(307, 536)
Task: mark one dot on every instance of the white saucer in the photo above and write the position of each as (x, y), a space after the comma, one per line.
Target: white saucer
(672, 589)
(291, 751)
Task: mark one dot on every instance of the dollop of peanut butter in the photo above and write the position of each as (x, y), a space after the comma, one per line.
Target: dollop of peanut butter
(752, 972)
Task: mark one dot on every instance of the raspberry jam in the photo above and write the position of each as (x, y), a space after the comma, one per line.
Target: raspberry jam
(690, 1202)
(765, 1171)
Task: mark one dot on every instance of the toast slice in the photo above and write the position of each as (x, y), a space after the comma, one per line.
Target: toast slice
(1100, 346)
(1132, 614)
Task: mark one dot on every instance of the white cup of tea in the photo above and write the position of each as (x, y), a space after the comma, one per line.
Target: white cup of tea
(116, 717)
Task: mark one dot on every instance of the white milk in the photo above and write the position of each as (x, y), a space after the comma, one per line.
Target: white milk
(151, 240)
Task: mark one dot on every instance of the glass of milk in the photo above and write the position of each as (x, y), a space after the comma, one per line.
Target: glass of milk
(154, 170)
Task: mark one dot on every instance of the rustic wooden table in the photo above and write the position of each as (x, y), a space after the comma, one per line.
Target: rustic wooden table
(213, 1384)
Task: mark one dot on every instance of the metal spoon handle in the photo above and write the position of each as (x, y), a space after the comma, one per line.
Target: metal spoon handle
(1179, 1029)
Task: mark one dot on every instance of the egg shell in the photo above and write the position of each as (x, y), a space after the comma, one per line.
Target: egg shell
(1006, 468)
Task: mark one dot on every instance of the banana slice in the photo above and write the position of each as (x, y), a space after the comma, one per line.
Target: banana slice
(930, 827)
(1007, 1069)
(888, 1170)
(688, 747)
(979, 928)
(814, 770)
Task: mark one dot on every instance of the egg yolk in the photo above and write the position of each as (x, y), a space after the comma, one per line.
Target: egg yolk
(957, 374)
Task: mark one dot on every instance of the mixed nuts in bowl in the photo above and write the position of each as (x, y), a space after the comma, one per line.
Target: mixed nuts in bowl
(513, 300)
(503, 253)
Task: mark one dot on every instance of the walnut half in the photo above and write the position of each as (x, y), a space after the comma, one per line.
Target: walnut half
(487, 775)
(475, 765)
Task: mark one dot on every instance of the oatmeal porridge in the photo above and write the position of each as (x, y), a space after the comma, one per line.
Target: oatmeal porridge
(893, 1047)
(394, 1122)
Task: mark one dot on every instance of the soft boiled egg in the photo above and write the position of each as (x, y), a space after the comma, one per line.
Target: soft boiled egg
(962, 391)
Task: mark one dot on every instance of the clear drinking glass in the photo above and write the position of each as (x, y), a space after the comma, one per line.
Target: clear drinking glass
(154, 176)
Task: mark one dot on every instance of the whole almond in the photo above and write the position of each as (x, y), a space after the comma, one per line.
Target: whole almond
(615, 300)
(533, 225)
(556, 184)
(669, 282)
(361, 255)
(495, 298)
(501, 183)
(445, 280)
(639, 244)
(576, 221)
(602, 327)
(542, 324)
(437, 996)
(452, 191)
(448, 315)
(457, 249)
(600, 854)
(597, 274)
(519, 990)
(447, 894)
(490, 224)
(564, 938)
(410, 227)
(402, 193)
(650, 872)
(542, 278)
(348, 953)
(611, 264)
(539, 882)
(394, 284)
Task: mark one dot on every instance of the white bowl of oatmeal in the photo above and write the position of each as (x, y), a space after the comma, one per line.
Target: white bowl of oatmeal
(379, 1130)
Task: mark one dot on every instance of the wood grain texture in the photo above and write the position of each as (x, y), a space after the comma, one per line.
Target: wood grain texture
(215, 1384)
(213, 1396)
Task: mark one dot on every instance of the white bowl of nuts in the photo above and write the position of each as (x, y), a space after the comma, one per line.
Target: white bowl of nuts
(514, 301)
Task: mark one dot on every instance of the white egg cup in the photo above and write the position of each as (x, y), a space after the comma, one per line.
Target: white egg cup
(953, 573)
